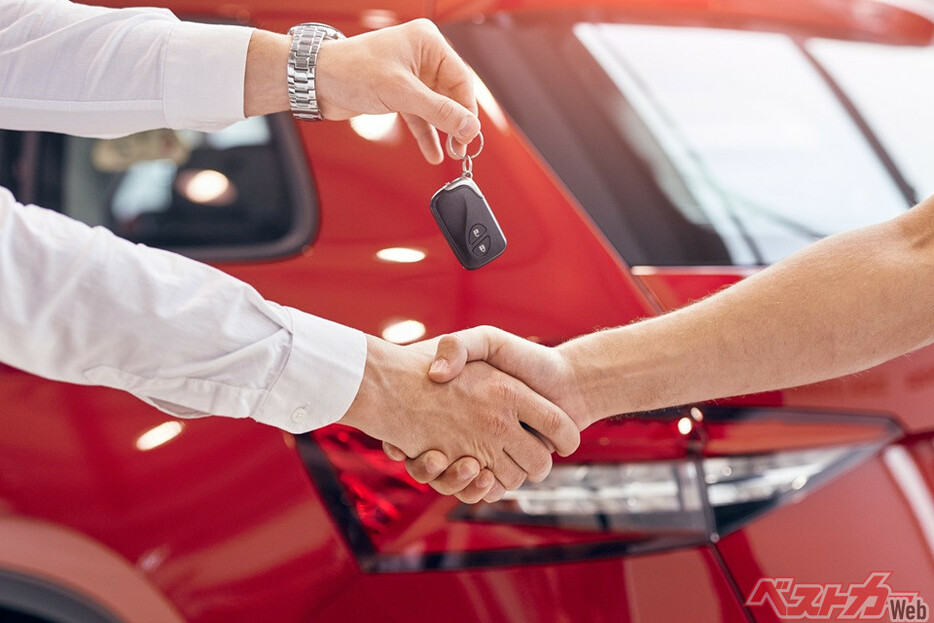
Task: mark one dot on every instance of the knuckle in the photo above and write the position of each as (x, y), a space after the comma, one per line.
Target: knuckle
(513, 480)
(551, 422)
(490, 331)
(446, 109)
(444, 486)
(423, 25)
(498, 425)
(465, 471)
(433, 464)
(417, 475)
(541, 467)
(467, 498)
(504, 391)
(423, 469)
(495, 494)
(448, 342)
(441, 486)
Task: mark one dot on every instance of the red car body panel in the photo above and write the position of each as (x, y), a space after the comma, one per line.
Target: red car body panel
(841, 540)
(226, 524)
(570, 592)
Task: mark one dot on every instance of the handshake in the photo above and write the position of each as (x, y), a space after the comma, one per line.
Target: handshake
(474, 413)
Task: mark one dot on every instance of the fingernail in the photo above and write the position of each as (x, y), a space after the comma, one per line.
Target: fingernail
(439, 365)
(469, 128)
(485, 480)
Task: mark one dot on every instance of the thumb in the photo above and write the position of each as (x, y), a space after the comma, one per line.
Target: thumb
(456, 349)
(452, 355)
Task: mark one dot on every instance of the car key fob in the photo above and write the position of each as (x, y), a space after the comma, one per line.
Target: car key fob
(467, 222)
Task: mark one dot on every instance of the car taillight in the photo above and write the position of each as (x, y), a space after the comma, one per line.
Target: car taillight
(666, 496)
(676, 478)
(655, 496)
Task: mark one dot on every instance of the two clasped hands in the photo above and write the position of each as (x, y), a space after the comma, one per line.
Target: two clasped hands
(480, 411)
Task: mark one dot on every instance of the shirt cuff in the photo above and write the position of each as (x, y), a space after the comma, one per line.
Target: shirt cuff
(205, 66)
(321, 378)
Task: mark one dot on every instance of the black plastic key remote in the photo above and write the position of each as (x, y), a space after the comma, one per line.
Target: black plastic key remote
(467, 222)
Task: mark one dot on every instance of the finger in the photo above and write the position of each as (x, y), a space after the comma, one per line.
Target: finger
(540, 437)
(478, 488)
(460, 150)
(530, 454)
(452, 83)
(496, 492)
(455, 79)
(393, 452)
(427, 466)
(548, 420)
(446, 73)
(507, 471)
(457, 477)
(439, 110)
(426, 137)
(442, 68)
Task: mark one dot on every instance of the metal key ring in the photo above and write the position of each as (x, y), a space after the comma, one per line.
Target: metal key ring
(465, 157)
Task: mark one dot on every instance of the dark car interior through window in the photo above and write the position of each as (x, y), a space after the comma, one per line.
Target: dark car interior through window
(240, 193)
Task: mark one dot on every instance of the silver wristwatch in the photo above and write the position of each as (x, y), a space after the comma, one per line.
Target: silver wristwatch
(303, 57)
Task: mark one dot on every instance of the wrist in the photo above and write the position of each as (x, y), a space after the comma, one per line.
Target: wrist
(383, 407)
(266, 78)
(366, 404)
(572, 363)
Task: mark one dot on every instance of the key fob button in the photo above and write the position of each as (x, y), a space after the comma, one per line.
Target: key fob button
(468, 224)
(483, 248)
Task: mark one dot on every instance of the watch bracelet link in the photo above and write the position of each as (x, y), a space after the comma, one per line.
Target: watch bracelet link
(303, 58)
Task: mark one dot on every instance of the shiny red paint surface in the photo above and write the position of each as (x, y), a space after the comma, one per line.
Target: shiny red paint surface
(836, 537)
(224, 521)
(551, 284)
(219, 519)
(631, 589)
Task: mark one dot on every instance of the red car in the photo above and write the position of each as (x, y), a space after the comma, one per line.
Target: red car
(639, 154)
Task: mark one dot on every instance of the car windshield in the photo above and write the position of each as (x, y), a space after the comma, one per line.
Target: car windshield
(696, 145)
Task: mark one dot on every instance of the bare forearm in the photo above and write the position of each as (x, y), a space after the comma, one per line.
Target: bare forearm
(844, 304)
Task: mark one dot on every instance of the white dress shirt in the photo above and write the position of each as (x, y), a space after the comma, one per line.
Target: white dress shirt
(80, 305)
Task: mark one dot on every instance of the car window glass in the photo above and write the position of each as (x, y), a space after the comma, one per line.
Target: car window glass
(771, 156)
(893, 90)
(699, 145)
